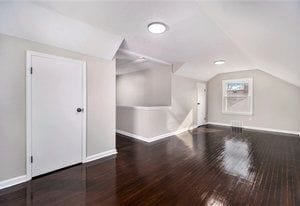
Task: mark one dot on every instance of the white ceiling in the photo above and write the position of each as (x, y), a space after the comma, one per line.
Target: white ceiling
(31, 22)
(248, 35)
(128, 62)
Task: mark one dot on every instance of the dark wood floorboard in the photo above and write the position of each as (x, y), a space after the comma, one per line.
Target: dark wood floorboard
(210, 165)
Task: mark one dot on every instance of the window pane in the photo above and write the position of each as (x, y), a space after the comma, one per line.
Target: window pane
(238, 96)
(237, 89)
(237, 104)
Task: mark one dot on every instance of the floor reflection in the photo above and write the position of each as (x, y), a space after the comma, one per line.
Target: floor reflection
(236, 160)
(207, 166)
(215, 201)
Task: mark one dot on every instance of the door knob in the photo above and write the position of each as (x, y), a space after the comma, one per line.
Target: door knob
(79, 110)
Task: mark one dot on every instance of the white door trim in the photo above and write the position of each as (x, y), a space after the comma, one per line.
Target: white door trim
(201, 85)
(29, 55)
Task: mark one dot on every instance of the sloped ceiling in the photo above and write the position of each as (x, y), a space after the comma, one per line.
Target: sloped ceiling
(266, 32)
(248, 35)
(128, 62)
(29, 21)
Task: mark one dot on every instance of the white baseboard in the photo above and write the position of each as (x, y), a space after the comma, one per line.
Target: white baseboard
(24, 178)
(219, 124)
(101, 155)
(13, 181)
(259, 128)
(152, 139)
(272, 130)
(135, 136)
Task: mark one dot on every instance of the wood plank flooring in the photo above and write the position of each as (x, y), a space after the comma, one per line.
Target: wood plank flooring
(210, 165)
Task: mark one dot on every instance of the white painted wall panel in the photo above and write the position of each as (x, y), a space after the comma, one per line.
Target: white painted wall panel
(101, 102)
(276, 102)
(29, 21)
(158, 121)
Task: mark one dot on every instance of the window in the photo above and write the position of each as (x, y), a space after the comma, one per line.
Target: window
(238, 96)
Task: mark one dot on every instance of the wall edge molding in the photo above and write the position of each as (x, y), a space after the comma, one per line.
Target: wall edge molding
(158, 137)
(24, 178)
(135, 136)
(100, 155)
(13, 181)
(259, 128)
(151, 108)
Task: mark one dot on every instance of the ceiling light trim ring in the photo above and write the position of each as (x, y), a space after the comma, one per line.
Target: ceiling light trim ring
(157, 27)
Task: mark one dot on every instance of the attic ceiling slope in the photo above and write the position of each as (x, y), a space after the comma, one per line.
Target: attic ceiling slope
(31, 22)
(247, 34)
(266, 32)
(128, 62)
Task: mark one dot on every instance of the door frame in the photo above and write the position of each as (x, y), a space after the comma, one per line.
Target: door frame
(29, 55)
(200, 84)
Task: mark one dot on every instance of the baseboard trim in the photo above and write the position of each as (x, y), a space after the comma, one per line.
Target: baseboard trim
(135, 136)
(273, 130)
(156, 138)
(259, 128)
(219, 124)
(13, 181)
(101, 155)
(24, 178)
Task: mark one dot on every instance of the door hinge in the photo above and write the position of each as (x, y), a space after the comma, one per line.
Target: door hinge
(31, 159)
(31, 70)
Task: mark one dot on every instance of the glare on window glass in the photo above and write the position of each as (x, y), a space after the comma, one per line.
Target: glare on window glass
(234, 89)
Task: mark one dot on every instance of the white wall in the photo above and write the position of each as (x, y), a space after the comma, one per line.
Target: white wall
(101, 102)
(276, 102)
(151, 122)
(148, 87)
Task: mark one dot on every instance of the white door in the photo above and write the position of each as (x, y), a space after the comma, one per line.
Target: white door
(57, 92)
(201, 104)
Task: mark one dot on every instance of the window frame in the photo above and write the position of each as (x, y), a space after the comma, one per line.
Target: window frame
(250, 95)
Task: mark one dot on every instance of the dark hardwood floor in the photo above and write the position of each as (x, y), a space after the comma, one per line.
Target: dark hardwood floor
(207, 166)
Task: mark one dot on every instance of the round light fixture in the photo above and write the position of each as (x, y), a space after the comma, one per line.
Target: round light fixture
(219, 62)
(157, 27)
(140, 59)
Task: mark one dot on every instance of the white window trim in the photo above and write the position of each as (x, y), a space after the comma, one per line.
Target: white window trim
(250, 95)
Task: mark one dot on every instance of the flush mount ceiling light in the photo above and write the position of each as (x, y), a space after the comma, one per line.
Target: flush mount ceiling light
(140, 59)
(219, 62)
(157, 27)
